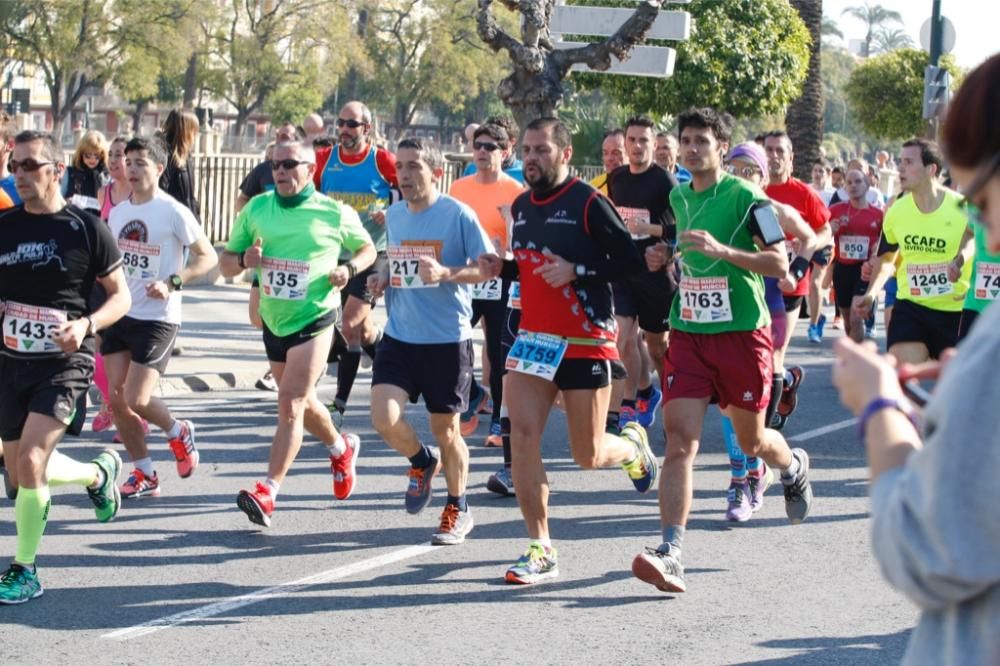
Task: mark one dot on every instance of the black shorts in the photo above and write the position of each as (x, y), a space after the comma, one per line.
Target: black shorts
(793, 303)
(149, 342)
(822, 256)
(583, 373)
(337, 347)
(55, 387)
(968, 319)
(915, 323)
(646, 296)
(277, 346)
(847, 283)
(496, 309)
(357, 286)
(441, 373)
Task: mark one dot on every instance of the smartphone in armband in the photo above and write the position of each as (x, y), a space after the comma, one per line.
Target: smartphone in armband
(767, 224)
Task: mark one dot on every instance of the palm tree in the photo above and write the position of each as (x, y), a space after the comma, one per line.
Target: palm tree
(889, 40)
(804, 118)
(830, 28)
(873, 16)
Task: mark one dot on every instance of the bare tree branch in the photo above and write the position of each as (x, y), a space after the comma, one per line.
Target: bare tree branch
(598, 55)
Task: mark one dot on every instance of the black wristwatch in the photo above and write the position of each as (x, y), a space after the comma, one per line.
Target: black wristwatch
(175, 282)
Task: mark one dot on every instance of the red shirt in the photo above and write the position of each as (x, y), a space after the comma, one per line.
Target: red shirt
(804, 199)
(856, 232)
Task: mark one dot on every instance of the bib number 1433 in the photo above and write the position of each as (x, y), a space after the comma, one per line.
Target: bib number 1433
(28, 328)
(537, 354)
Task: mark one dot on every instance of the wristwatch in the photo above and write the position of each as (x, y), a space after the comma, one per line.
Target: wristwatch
(581, 270)
(175, 282)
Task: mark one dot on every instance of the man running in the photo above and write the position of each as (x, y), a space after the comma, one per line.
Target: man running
(666, 156)
(436, 249)
(923, 231)
(641, 193)
(154, 233)
(51, 257)
(720, 347)
(857, 228)
(489, 193)
(293, 237)
(569, 244)
(612, 157)
(363, 176)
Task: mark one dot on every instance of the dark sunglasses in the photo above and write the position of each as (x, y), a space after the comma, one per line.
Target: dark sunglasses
(353, 124)
(488, 147)
(287, 165)
(29, 165)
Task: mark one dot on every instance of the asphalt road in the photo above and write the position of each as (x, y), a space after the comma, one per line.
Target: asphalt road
(185, 578)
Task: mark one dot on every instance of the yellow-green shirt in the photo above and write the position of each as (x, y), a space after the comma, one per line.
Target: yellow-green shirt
(927, 243)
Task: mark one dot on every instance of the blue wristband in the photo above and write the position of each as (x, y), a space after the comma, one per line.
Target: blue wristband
(877, 405)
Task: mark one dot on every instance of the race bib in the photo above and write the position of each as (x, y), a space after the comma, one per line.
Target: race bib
(705, 300)
(28, 328)
(514, 296)
(632, 216)
(854, 247)
(928, 279)
(141, 261)
(85, 202)
(284, 279)
(404, 266)
(537, 354)
(491, 290)
(987, 281)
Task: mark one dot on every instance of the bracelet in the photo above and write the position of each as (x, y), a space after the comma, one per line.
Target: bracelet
(352, 270)
(877, 405)
(240, 258)
(799, 267)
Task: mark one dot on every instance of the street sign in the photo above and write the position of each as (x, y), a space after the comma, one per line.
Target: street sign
(653, 61)
(937, 83)
(948, 35)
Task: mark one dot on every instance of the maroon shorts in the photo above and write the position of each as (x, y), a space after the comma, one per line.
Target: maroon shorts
(730, 368)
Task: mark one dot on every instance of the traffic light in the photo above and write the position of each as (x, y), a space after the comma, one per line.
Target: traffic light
(937, 83)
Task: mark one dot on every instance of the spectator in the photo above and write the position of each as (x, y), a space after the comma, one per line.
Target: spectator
(88, 173)
(179, 133)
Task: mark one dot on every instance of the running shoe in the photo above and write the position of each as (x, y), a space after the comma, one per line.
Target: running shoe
(337, 410)
(820, 325)
(790, 394)
(537, 564)
(267, 382)
(184, 450)
(257, 504)
(140, 485)
(641, 469)
(495, 438)
(738, 499)
(469, 420)
(870, 330)
(646, 409)
(627, 415)
(107, 498)
(19, 585)
(777, 421)
(835, 325)
(344, 468)
(103, 420)
(660, 569)
(501, 483)
(814, 335)
(798, 491)
(487, 406)
(759, 486)
(117, 439)
(10, 489)
(418, 489)
(455, 525)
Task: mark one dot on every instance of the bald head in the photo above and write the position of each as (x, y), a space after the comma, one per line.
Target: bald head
(354, 140)
(314, 126)
(470, 132)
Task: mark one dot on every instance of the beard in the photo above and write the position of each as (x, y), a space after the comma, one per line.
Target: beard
(544, 179)
(351, 142)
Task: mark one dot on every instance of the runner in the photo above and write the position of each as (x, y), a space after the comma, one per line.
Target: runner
(51, 256)
(155, 233)
(363, 176)
(436, 248)
(489, 193)
(640, 192)
(293, 237)
(261, 178)
(7, 130)
(857, 227)
(924, 231)
(720, 344)
(666, 156)
(512, 166)
(612, 157)
(821, 180)
(569, 244)
(985, 287)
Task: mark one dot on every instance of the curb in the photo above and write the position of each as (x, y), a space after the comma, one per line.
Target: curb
(209, 381)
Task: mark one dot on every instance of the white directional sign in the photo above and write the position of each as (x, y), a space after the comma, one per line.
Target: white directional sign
(654, 61)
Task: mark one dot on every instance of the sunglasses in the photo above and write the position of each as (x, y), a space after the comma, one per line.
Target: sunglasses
(981, 179)
(29, 165)
(353, 124)
(488, 147)
(287, 165)
(745, 171)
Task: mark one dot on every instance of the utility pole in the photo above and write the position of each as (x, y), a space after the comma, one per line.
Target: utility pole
(936, 79)
(937, 29)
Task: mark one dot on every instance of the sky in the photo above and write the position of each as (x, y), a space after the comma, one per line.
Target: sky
(975, 23)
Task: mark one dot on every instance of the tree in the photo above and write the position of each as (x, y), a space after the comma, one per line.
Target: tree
(873, 16)
(804, 119)
(78, 44)
(297, 95)
(890, 40)
(535, 88)
(748, 57)
(831, 29)
(886, 93)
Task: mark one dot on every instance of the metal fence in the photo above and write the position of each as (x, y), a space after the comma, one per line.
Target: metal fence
(218, 179)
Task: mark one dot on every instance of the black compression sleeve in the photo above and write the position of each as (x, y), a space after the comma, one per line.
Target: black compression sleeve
(605, 226)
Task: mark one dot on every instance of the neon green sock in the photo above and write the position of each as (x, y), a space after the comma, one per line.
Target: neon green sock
(64, 471)
(31, 512)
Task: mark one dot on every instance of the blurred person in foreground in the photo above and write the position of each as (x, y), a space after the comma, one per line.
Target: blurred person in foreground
(935, 532)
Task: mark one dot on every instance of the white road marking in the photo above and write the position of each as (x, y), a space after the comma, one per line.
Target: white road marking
(825, 430)
(282, 590)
